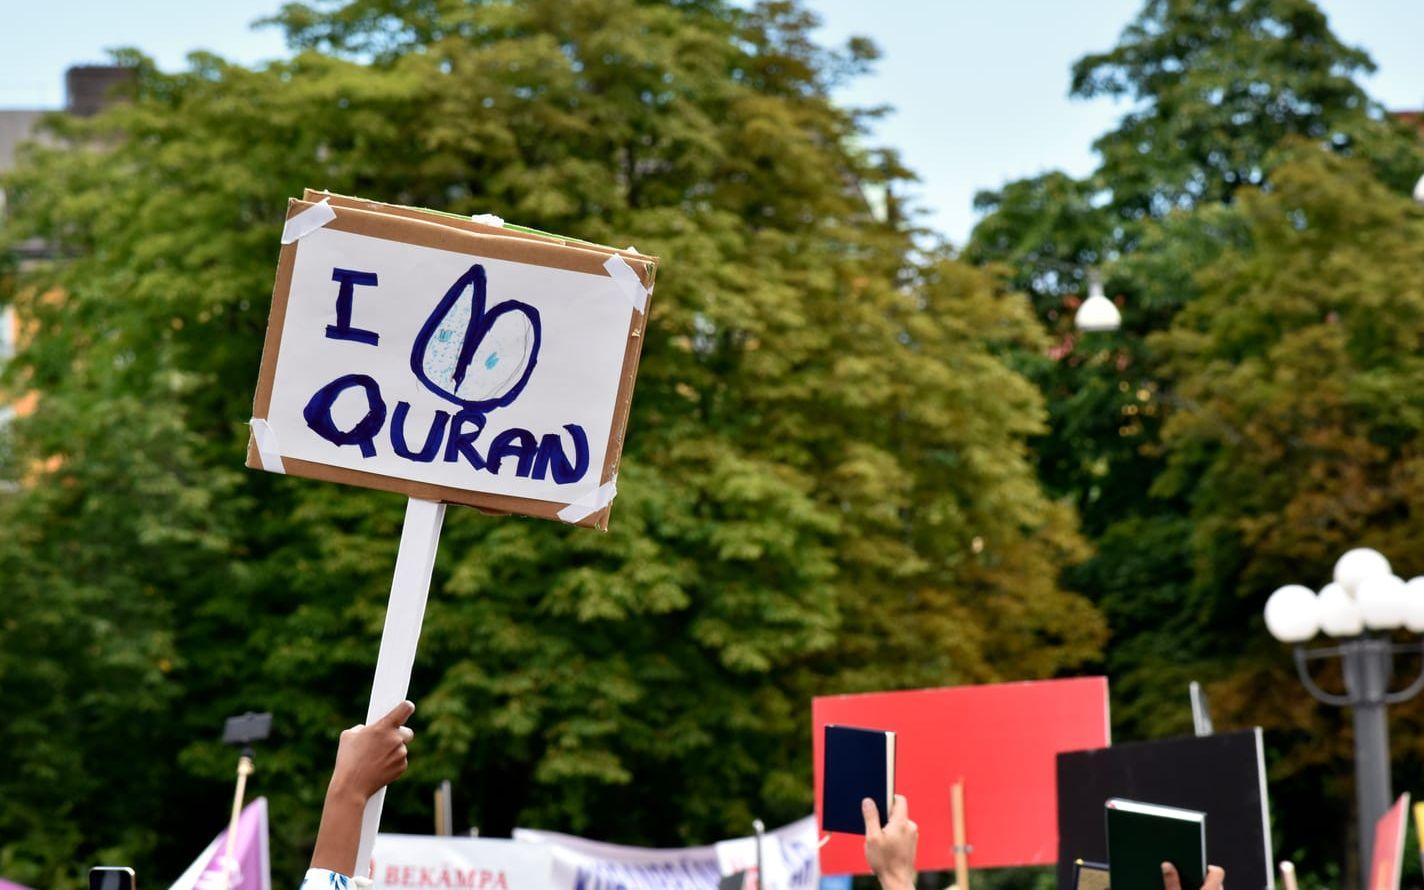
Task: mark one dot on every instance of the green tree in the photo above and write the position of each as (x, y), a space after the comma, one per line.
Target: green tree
(1223, 94)
(1216, 87)
(826, 485)
(1298, 436)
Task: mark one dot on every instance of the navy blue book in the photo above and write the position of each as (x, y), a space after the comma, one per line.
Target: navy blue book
(859, 763)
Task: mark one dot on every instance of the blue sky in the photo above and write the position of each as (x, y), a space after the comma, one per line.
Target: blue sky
(970, 113)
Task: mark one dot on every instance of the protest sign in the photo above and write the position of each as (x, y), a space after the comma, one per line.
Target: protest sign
(788, 853)
(454, 361)
(450, 361)
(1388, 856)
(417, 862)
(1221, 775)
(1000, 740)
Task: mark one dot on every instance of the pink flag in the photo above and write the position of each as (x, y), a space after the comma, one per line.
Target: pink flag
(247, 869)
(10, 885)
(1389, 846)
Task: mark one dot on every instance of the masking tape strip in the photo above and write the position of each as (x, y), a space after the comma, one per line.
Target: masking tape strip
(308, 221)
(591, 502)
(267, 449)
(627, 281)
(488, 219)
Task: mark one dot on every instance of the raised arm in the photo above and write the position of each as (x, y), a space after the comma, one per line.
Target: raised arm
(368, 758)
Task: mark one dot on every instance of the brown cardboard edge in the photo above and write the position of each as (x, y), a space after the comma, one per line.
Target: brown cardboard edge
(486, 503)
(380, 225)
(501, 246)
(623, 403)
(469, 225)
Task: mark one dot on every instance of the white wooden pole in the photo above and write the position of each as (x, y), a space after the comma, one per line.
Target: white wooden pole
(409, 588)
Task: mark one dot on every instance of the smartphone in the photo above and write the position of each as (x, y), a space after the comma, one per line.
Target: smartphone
(111, 877)
(247, 728)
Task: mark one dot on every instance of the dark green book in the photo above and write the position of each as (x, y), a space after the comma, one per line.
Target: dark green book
(1142, 836)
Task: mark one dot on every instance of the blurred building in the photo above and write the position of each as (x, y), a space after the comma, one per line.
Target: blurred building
(88, 89)
(16, 125)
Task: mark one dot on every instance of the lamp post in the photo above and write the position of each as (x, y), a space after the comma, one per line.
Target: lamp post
(1360, 608)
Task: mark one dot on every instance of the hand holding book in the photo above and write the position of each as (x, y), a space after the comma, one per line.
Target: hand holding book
(1215, 878)
(890, 851)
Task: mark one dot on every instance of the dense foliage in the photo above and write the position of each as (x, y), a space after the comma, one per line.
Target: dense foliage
(827, 485)
(1255, 415)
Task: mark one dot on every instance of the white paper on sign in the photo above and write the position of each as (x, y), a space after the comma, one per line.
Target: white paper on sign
(429, 365)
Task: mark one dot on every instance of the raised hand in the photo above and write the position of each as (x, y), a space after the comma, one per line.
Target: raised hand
(890, 851)
(1215, 878)
(368, 758)
(371, 756)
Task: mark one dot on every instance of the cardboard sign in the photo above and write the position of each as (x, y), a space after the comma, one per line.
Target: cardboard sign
(1387, 861)
(412, 862)
(1221, 775)
(1000, 739)
(449, 360)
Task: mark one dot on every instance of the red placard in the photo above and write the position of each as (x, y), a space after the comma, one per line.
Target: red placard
(1000, 739)
(1389, 847)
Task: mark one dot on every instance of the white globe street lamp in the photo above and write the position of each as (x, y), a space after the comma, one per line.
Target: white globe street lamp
(1366, 596)
(1339, 613)
(1357, 565)
(1414, 605)
(1293, 614)
(1381, 600)
(1097, 314)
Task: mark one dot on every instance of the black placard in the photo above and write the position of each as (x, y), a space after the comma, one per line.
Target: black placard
(1221, 775)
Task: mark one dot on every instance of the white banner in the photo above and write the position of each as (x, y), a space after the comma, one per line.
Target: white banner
(789, 854)
(418, 862)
